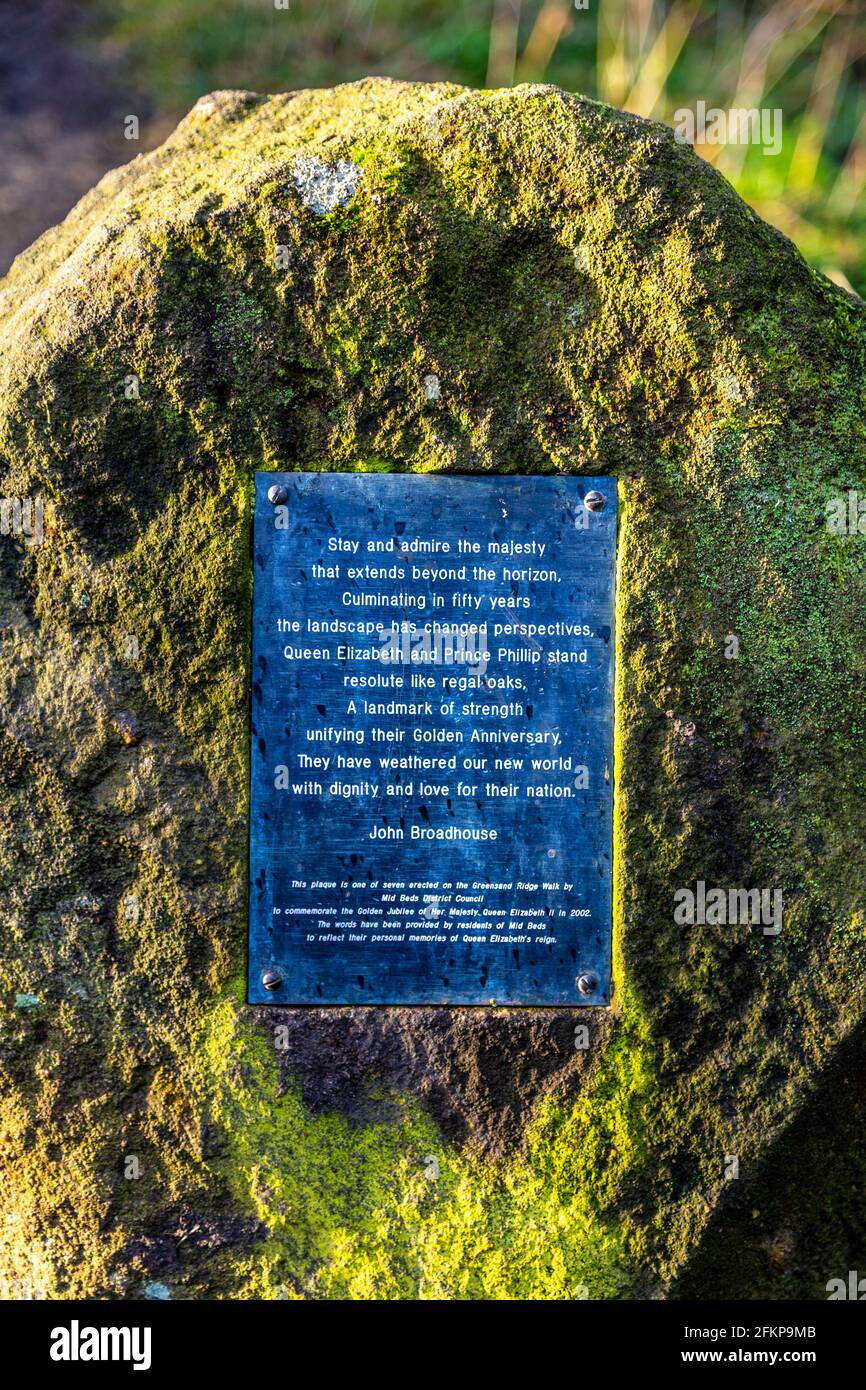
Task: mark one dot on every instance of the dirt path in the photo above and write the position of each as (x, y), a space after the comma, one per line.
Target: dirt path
(62, 108)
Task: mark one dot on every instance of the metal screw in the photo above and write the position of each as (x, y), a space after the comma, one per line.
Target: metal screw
(594, 501)
(588, 983)
(278, 494)
(272, 979)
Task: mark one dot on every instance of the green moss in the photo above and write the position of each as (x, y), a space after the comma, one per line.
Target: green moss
(386, 1210)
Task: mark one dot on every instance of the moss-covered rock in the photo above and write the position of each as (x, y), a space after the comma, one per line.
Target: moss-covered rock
(273, 288)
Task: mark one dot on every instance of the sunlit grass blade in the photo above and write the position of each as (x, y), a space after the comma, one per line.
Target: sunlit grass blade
(613, 68)
(554, 20)
(504, 28)
(832, 64)
(850, 183)
(655, 71)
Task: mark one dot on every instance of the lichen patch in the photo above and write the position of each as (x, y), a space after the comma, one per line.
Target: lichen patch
(325, 187)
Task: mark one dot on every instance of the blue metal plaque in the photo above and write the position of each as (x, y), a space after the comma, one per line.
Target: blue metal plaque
(432, 739)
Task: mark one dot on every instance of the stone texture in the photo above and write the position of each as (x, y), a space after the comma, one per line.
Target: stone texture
(589, 298)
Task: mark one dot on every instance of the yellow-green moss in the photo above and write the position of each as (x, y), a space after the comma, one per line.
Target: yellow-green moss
(386, 1210)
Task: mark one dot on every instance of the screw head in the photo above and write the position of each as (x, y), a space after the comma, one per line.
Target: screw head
(272, 979)
(278, 494)
(594, 501)
(588, 982)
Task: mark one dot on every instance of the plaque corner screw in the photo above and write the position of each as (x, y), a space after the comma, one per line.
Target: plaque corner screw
(278, 494)
(594, 501)
(272, 979)
(587, 983)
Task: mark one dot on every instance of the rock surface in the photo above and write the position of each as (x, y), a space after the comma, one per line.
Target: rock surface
(391, 276)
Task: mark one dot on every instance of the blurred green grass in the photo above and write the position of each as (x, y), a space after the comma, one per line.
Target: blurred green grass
(807, 57)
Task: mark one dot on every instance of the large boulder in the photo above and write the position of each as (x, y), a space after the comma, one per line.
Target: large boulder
(271, 289)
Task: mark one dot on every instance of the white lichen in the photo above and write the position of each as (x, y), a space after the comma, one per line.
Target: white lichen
(729, 386)
(324, 187)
